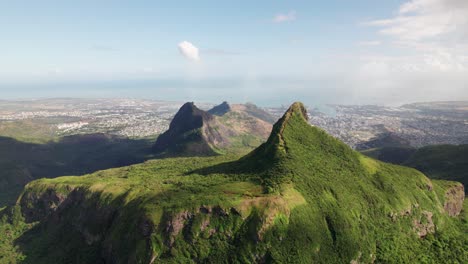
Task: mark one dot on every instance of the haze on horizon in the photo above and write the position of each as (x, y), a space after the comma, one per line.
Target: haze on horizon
(268, 52)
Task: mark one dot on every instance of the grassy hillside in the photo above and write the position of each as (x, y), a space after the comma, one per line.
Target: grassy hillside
(301, 197)
(446, 162)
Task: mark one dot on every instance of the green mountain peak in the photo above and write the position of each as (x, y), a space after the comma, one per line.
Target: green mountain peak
(301, 197)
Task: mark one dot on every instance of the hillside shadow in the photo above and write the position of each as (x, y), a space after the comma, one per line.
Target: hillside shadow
(22, 162)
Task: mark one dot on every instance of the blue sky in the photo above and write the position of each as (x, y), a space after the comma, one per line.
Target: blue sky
(269, 52)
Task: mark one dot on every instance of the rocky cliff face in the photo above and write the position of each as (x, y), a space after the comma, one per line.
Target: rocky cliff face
(454, 197)
(124, 233)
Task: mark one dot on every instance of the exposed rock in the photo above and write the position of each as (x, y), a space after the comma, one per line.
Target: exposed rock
(146, 227)
(36, 207)
(357, 260)
(425, 225)
(176, 223)
(454, 197)
(204, 224)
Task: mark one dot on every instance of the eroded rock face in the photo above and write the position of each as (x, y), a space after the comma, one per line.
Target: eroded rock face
(37, 206)
(425, 225)
(175, 224)
(454, 197)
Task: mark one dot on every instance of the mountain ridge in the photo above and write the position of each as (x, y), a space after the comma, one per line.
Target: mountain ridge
(191, 132)
(195, 132)
(302, 196)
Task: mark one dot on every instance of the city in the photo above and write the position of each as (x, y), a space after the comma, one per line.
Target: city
(416, 124)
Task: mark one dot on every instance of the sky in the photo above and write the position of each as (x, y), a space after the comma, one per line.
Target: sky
(267, 52)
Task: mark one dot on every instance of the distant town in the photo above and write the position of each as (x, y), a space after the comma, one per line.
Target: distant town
(418, 124)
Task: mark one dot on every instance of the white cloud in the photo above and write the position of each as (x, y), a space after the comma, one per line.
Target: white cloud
(425, 56)
(189, 51)
(280, 18)
(434, 31)
(419, 20)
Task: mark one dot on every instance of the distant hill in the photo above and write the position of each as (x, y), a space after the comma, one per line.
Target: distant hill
(193, 132)
(247, 119)
(257, 112)
(221, 109)
(225, 127)
(248, 108)
(301, 197)
(447, 162)
(384, 140)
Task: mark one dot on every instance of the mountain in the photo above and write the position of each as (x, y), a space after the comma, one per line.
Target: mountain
(246, 119)
(221, 109)
(301, 197)
(446, 162)
(194, 132)
(384, 140)
(248, 108)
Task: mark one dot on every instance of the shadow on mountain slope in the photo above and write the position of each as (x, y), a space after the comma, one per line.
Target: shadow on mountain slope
(22, 162)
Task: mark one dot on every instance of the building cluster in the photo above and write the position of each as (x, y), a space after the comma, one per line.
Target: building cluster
(418, 124)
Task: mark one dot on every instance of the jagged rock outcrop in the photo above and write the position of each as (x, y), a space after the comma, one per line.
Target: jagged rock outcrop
(193, 132)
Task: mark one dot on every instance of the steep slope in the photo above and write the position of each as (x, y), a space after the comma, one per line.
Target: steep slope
(192, 132)
(301, 197)
(224, 128)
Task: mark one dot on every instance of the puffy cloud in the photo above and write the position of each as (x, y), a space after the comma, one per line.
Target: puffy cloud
(189, 51)
(280, 18)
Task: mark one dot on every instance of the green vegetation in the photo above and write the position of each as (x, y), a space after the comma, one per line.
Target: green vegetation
(301, 197)
(446, 162)
(21, 162)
